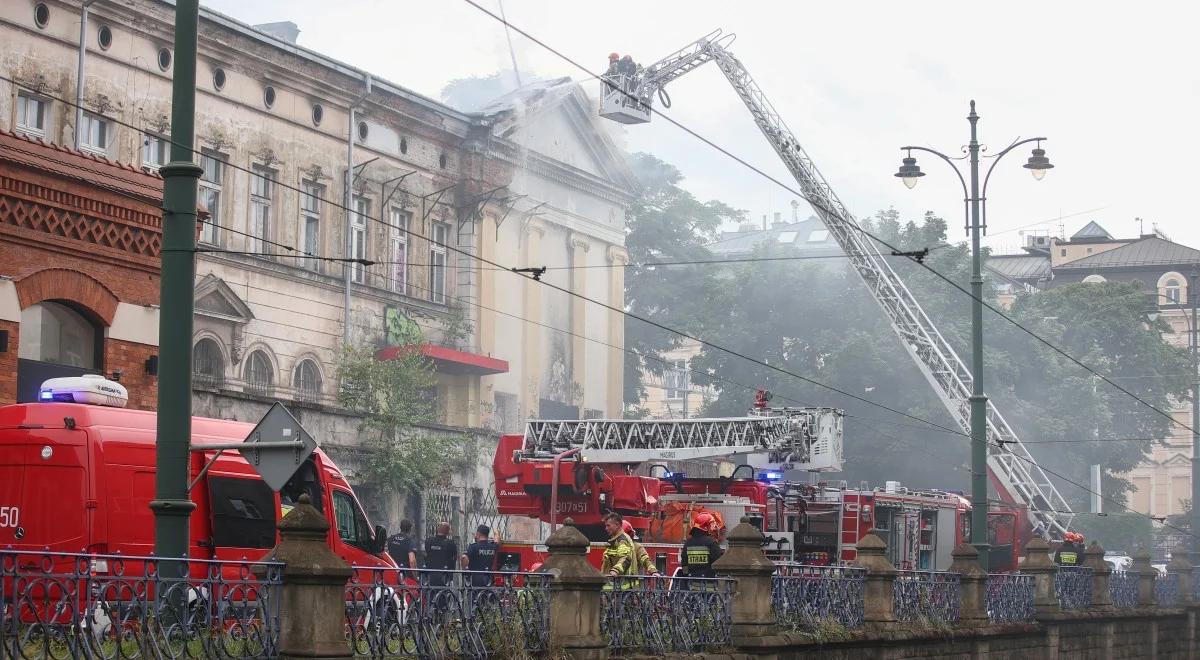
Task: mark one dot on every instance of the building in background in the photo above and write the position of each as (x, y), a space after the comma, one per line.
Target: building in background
(1161, 267)
(433, 191)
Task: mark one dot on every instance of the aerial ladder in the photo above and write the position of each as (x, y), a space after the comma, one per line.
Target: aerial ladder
(628, 99)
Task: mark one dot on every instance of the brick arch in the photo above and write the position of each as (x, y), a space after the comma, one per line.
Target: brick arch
(67, 284)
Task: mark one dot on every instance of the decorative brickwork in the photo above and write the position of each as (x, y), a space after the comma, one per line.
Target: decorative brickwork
(79, 228)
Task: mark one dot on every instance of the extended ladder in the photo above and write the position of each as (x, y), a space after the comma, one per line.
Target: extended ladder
(1012, 467)
(788, 439)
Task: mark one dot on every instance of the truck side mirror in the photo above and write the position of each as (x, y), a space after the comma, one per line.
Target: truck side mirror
(379, 543)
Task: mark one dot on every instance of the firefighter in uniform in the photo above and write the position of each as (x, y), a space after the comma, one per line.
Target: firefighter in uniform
(619, 558)
(701, 549)
(1071, 551)
(643, 562)
(481, 556)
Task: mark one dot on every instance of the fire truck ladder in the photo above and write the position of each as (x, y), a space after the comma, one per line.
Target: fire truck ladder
(1013, 468)
(787, 439)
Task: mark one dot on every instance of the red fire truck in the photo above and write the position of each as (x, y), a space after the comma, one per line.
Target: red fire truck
(584, 469)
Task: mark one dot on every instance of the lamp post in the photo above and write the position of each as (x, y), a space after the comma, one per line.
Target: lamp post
(1194, 296)
(976, 210)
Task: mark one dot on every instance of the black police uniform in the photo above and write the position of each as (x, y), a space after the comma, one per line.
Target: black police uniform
(481, 556)
(440, 553)
(399, 547)
(699, 553)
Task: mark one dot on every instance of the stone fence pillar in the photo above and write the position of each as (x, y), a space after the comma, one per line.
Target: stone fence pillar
(1093, 558)
(1037, 563)
(746, 563)
(1146, 576)
(879, 590)
(575, 605)
(312, 610)
(972, 584)
(1181, 567)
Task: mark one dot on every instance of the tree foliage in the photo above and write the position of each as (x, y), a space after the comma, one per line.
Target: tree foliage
(817, 319)
(665, 224)
(395, 397)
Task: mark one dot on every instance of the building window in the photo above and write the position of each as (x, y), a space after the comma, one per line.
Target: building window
(31, 115)
(156, 151)
(260, 376)
(399, 251)
(310, 223)
(262, 182)
(41, 15)
(307, 381)
(104, 37)
(164, 58)
(363, 131)
(318, 113)
(358, 238)
(53, 332)
(94, 132)
(269, 96)
(678, 380)
(1171, 290)
(208, 365)
(437, 261)
(1062, 252)
(218, 79)
(210, 194)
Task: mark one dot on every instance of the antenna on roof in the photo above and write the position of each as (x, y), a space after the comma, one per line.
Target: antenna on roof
(1141, 226)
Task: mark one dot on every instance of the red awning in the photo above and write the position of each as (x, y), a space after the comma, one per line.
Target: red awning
(449, 360)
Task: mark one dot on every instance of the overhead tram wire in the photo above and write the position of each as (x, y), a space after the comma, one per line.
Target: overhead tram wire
(853, 224)
(527, 276)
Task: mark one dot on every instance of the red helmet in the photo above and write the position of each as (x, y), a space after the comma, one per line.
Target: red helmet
(613, 56)
(703, 521)
(626, 527)
(537, 566)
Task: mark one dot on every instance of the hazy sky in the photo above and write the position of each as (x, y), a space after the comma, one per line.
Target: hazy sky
(1112, 85)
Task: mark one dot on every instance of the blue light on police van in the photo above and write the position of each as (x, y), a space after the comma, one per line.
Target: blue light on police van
(770, 476)
(46, 395)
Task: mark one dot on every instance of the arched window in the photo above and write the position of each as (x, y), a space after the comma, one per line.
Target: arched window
(260, 375)
(307, 381)
(53, 332)
(1172, 289)
(1094, 279)
(208, 364)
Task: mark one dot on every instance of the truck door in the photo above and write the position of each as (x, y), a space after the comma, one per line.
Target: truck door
(44, 489)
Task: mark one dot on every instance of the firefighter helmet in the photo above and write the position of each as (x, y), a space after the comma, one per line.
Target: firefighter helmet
(703, 521)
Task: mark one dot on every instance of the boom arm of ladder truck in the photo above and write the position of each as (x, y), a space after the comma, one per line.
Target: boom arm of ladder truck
(1015, 471)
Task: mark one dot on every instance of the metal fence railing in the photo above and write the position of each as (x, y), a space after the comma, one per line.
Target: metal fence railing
(1010, 597)
(1123, 589)
(68, 605)
(808, 597)
(1166, 589)
(658, 615)
(426, 613)
(930, 597)
(1195, 584)
(1073, 584)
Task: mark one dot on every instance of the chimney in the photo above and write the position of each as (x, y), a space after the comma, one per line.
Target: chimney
(283, 30)
(764, 222)
(795, 211)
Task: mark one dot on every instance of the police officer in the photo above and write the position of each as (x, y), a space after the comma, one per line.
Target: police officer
(441, 553)
(701, 549)
(401, 546)
(481, 556)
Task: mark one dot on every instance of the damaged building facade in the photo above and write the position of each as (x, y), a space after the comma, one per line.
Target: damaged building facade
(531, 181)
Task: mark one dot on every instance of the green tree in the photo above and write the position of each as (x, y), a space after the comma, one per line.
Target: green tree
(395, 398)
(665, 224)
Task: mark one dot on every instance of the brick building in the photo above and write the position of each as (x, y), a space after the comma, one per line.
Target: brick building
(79, 269)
